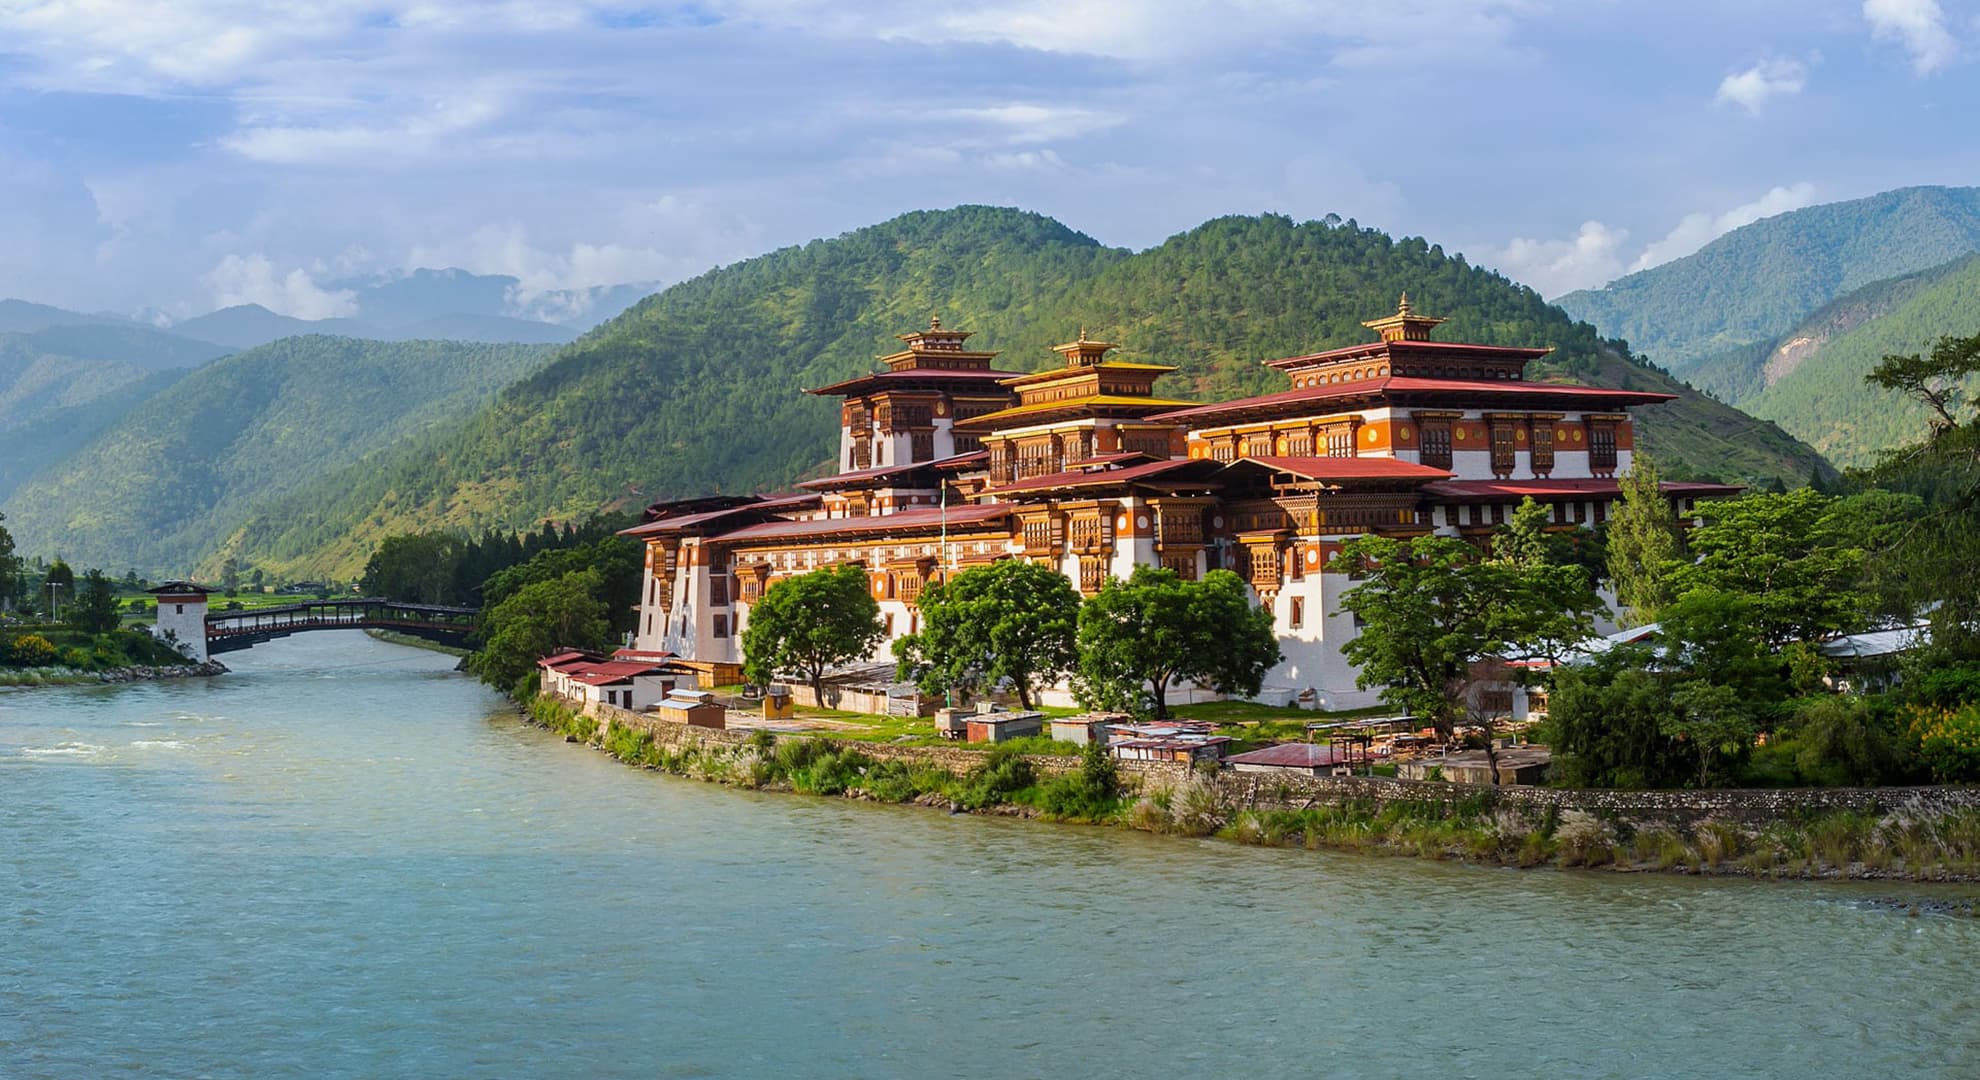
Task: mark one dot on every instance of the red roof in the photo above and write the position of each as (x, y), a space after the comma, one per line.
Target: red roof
(1351, 468)
(861, 476)
(689, 521)
(926, 520)
(1374, 348)
(1396, 384)
(559, 659)
(912, 375)
(1509, 490)
(1296, 755)
(1103, 477)
(650, 655)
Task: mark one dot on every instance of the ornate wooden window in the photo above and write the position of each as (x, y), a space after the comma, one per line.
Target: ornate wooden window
(1152, 443)
(862, 452)
(1001, 465)
(1340, 440)
(1505, 451)
(1092, 574)
(968, 444)
(921, 446)
(1257, 444)
(1543, 447)
(718, 590)
(1224, 450)
(1179, 525)
(1434, 443)
(1184, 564)
(1084, 533)
(721, 625)
(1296, 617)
(1602, 446)
(1038, 535)
(1297, 443)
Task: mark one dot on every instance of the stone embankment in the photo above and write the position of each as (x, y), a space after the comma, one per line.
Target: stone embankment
(22, 678)
(1909, 833)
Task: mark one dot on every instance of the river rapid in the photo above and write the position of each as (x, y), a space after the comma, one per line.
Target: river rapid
(344, 860)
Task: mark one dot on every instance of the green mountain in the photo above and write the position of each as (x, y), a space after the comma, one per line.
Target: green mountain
(695, 389)
(177, 474)
(1810, 380)
(1757, 282)
(66, 382)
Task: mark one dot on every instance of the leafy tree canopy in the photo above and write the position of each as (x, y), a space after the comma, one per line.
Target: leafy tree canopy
(1140, 637)
(1012, 619)
(539, 619)
(810, 624)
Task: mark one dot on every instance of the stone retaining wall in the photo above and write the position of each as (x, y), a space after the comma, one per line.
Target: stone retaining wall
(1293, 791)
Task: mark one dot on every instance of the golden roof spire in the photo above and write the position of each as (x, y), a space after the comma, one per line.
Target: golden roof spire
(1404, 325)
(935, 321)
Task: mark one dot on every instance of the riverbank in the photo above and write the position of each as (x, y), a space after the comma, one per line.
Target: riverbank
(393, 637)
(1898, 834)
(29, 678)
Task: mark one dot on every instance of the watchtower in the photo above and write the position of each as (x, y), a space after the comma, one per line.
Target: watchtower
(182, 617)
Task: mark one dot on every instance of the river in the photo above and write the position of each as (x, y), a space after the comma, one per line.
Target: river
(343, 860)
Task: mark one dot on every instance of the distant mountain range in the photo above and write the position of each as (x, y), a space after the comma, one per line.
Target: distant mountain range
(698, 388)
(1759, 281)
(170, 481)
(1785, 316)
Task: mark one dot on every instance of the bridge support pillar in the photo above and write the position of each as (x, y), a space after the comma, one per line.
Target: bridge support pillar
(182, 617)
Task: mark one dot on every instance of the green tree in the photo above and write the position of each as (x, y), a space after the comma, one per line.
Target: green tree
(1715, 722)
(1605, 722)
(1139, 637)
(564, 612)
(1012, 619)
(416, 567)
(10, 567)
(1432, 608)
(95, 607)
(811, 623)
(1642, 543)
(1935, 380)
(1527, 540)
(1795, 557)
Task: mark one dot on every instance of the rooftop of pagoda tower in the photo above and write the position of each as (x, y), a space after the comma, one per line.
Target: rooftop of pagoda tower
(936, 359)
(1087, 385)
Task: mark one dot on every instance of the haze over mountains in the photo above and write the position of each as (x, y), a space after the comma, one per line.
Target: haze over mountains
(298, 456)
(1785, 316)
(698, 388)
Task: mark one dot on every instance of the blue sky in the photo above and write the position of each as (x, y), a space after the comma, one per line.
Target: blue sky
(180, 156)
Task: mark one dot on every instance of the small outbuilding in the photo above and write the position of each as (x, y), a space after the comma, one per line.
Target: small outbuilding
(1087, 727)
(1310, 759)
(1003, 726)
(693, 707)
(1184, 748)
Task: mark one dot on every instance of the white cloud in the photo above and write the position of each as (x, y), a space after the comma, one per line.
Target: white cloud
(1694, 231)
(1918, 25)
(411, 137)
(1023, 122)
(1770, 78)
(1552, 267)
(1153, 30)
(253, 279)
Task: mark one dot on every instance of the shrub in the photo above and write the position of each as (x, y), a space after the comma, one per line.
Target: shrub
(1000, 778)
(1091, 794)
(31, 650)
(1584, 839)
(1948, 741)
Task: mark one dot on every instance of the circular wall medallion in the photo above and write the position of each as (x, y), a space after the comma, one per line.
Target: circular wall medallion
(1458, 433)
(1577, 436)
(1217, 522)
(941, 408)
(1121, 522)
(1402, 435)
(1141, 521)
(1312, 556)
(1520, 435)
(1371, 435)
(1560, 435)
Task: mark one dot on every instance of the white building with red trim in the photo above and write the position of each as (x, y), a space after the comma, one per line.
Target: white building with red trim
(946, 463)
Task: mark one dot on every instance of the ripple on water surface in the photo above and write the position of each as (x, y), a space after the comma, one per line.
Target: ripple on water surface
(344, 860)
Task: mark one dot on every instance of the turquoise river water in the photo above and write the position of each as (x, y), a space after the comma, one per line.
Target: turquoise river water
(343, 860)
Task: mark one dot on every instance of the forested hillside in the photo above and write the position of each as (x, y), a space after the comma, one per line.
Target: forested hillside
(1822, 398)
(171, 481)
(1755, 283)
(63, 383)
(696, 388)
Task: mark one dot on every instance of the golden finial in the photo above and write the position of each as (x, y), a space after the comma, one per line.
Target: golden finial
(1402, 306)
(935, 321)
(1082, 333)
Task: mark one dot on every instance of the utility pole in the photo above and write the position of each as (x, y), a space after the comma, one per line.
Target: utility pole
(53, 614)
